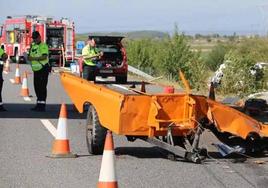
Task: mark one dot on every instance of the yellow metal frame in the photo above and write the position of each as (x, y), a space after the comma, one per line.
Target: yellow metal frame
(151, 115)
(140, 115)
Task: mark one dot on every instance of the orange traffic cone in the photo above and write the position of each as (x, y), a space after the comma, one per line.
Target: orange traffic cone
(24, 88)
(7, 65)
(107, 178)
(17, 75)
(143, 87)
(169, 89)
(61, 148)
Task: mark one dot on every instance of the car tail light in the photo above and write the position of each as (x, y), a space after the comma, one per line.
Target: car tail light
(124, 54)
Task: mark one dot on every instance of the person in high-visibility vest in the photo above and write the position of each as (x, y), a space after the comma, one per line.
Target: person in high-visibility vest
(3, 58)
(90, 55)
(38, 56)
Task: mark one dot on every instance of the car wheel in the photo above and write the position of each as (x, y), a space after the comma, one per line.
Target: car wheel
(22, 60)
(121, 79)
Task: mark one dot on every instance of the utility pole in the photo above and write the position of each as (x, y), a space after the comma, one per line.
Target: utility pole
(264, 13)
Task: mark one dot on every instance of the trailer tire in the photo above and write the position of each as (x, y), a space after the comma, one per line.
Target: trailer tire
(95, 132)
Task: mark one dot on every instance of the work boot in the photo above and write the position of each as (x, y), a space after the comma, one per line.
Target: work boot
(2, 109)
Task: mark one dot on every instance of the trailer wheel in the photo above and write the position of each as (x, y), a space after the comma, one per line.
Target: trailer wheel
(95, 132)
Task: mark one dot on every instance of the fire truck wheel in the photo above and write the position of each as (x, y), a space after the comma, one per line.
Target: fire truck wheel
(95, 132)
(17, 57)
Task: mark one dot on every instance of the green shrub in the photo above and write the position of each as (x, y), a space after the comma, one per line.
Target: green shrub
(166, 57)
(216, 57)
(237, 78)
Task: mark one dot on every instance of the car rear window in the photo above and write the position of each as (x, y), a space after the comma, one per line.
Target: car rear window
(109, 48)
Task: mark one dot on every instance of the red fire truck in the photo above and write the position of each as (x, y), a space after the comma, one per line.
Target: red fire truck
(15, 36)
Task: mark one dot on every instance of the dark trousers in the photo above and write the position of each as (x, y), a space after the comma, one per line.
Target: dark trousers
(1, 82)
(40, 84)
(89, 72)
(1, 86)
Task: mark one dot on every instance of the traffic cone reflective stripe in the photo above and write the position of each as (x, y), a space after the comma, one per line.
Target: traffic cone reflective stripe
(62, 133)
(61, 147)
(107, 178)
(17, 75)
(24, 88)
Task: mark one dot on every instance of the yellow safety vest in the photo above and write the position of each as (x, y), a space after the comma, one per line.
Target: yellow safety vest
(37, 50)
(1, 53)
(89, 52)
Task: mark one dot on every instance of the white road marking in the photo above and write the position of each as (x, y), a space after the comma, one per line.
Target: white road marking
(27, 98)
(50, 127)
(12, 81)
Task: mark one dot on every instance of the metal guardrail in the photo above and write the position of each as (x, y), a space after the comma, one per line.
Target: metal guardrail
(132, 70)
(139, 73)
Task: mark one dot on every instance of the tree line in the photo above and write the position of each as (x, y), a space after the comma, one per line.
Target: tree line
(168, 55)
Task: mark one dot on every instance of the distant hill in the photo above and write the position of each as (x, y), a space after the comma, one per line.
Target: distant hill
(146, 34)
(128, 35)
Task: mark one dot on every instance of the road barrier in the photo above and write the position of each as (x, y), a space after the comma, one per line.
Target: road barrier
(139, 73)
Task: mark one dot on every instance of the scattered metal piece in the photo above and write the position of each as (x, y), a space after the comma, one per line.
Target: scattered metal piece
(226, 150)
(259, 162)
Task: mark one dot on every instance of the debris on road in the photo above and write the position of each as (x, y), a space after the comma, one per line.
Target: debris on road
(226, 150)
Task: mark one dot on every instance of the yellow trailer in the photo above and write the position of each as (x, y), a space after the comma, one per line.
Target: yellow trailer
(173, 121)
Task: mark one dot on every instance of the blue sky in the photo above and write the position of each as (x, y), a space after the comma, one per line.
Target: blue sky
(191, 16)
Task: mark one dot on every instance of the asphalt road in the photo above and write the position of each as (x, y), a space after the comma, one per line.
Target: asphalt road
(25, 143)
